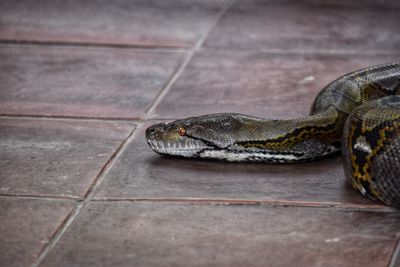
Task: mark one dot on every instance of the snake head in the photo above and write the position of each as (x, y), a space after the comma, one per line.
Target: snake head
(190, 137)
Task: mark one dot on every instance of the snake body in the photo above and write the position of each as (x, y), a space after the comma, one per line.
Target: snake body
(358, 113)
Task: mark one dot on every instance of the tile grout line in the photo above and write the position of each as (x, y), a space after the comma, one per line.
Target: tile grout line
(46, 197)
(250, 202)
(395, 259)
(110, 163)
(164, 90)
(76, 118)
(63, 227)
(214, 201)
(137, 121)
(189, 56)
(305, 52)
(71, 44)
(188, 48)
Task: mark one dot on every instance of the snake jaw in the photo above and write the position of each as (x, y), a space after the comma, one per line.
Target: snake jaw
(167, 139)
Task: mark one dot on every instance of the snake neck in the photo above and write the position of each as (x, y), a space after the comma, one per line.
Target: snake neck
(281, 141)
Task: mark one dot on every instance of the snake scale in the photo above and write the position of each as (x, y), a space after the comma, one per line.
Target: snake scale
(358, 113)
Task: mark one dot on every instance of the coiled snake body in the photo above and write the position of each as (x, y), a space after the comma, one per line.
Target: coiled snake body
(358, 113)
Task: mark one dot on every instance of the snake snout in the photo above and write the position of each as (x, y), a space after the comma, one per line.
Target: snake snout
(154, 136)
(154, 132)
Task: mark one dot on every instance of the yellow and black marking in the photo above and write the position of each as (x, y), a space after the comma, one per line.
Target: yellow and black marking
(362, 160)
(329, 134)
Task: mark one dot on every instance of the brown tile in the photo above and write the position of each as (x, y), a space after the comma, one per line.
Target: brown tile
(159, 234)
(396, 257)
(50, 157)
(310, 26)
(262, 84)
(84, 82)
(141, 173)
(26, 226)
(140, 22)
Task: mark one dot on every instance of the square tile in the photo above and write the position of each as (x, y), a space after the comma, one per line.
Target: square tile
(82, 82)
(160, 234)
(140, 22)
(26, 226)
(310, 26)
(55, 157)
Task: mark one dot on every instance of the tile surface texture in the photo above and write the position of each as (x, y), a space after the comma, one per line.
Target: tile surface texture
(151, 234)
(82, 82)
(26, 226)
(310, 26)
(175, 23)
(55, 158)
(255, 83)
(141, 173)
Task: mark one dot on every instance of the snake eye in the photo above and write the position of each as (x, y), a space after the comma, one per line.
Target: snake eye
(182, 131)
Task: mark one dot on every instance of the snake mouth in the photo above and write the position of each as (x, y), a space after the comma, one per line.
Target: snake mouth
(164, 139)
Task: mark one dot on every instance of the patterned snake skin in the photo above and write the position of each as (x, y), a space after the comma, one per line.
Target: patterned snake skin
(358, 113)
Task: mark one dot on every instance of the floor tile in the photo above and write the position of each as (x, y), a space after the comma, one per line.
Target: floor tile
(151, 234)
(310, 26)
(255, 83)
(83, 82)
(26, 226)
(396, 257)
(122, 22)
(56, 158)
(141, 173)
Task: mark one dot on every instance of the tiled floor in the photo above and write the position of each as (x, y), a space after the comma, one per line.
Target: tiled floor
(81, 80)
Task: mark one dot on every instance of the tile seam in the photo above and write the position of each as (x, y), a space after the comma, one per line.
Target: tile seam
(249, 202)
(59, 232)
(57, 117)
(395, 257)
(213, 201)
(47, 43)
(167, 85)
(187, 59)
(112, 160)
(70, 118)
(79, 205)
(271, 51)
(300, 52)
(45, 197)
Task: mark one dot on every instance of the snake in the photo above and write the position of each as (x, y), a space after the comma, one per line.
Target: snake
(357, 115)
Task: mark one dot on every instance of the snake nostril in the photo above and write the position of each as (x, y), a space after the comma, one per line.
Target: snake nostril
(150, 132)
(154, 132)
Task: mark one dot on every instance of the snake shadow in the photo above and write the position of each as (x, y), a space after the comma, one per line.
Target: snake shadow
(322, 180)
(181, 164)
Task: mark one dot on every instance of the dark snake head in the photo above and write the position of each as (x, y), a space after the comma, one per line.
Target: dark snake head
(189, 137)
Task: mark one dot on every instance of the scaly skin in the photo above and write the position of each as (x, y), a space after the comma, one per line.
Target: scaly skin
(359, 112)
